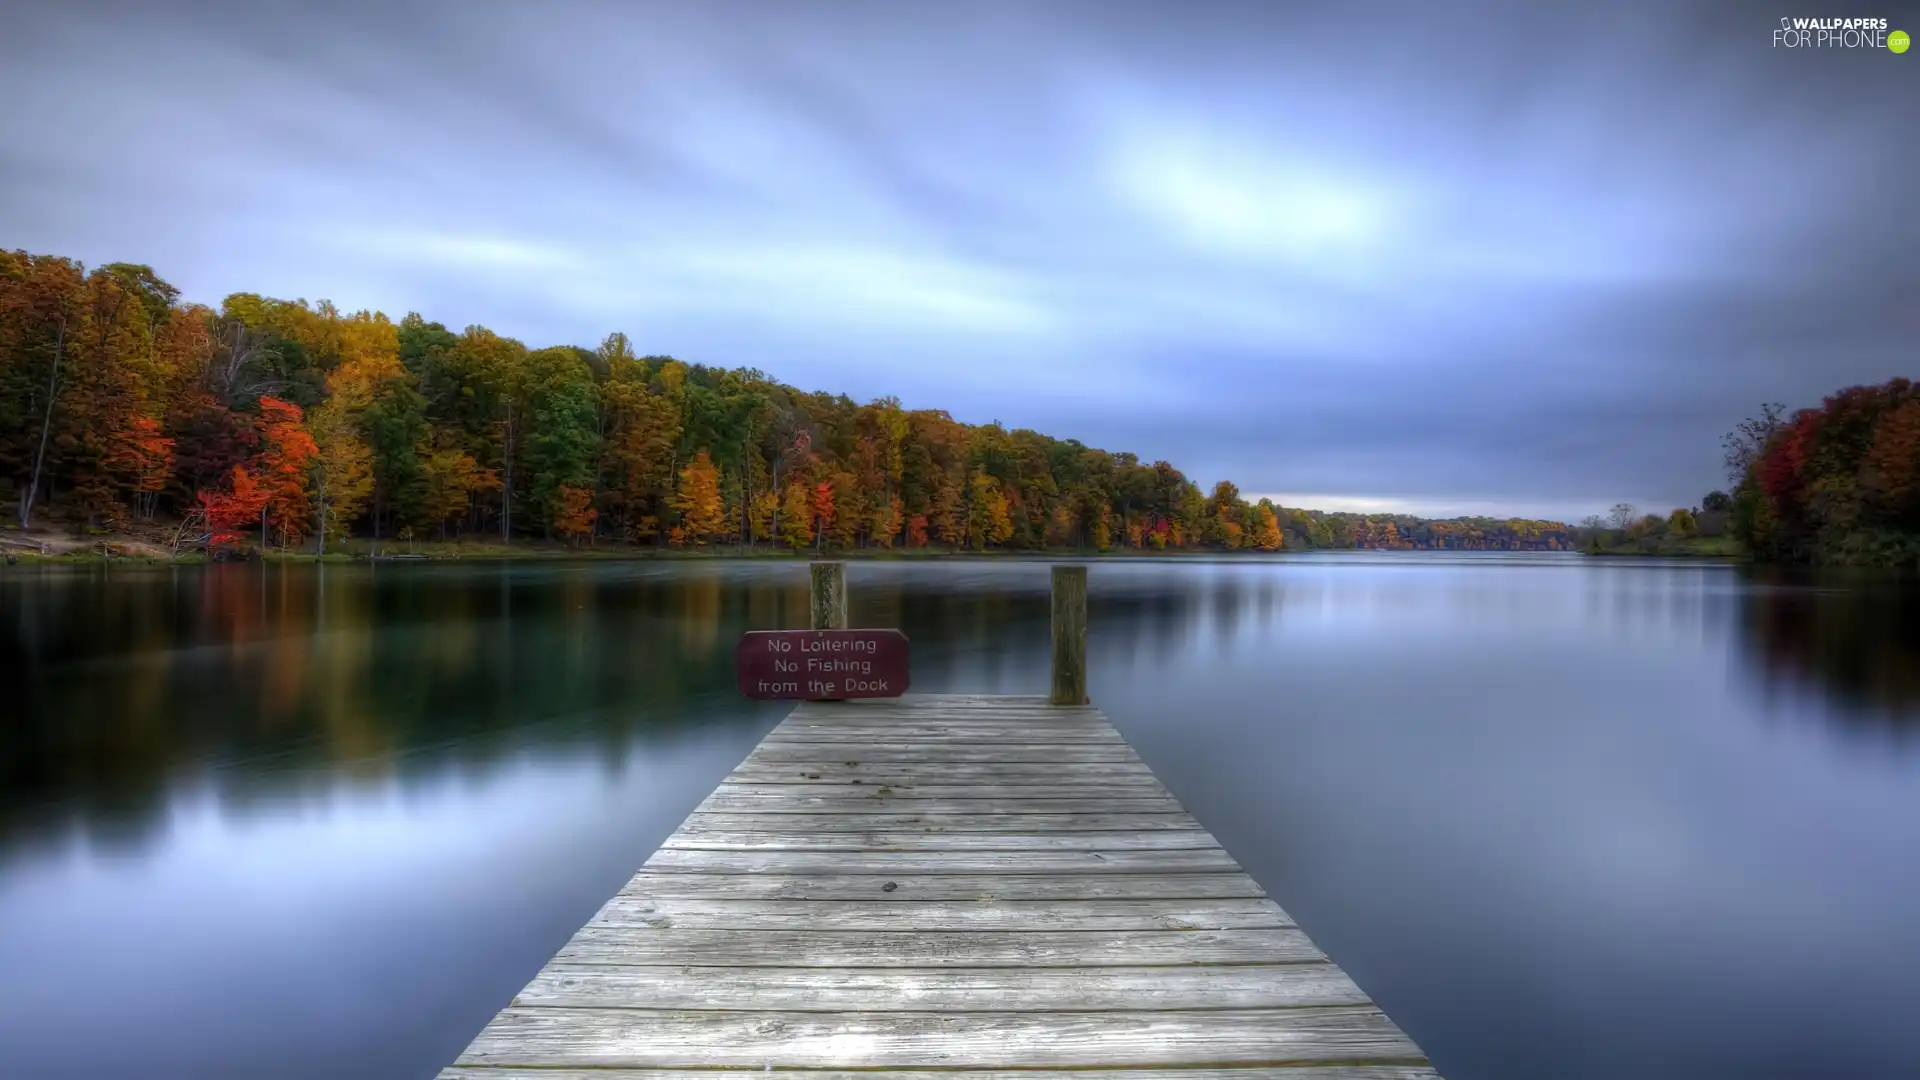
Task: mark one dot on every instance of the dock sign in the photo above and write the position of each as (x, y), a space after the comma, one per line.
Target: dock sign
(821, 664)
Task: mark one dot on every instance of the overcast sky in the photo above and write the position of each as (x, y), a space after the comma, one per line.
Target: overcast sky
(1433, 257)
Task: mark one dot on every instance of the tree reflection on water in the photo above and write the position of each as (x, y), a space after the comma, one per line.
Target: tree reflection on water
(1853, 639)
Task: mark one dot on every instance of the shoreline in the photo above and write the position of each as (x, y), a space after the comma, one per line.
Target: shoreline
(126, 552)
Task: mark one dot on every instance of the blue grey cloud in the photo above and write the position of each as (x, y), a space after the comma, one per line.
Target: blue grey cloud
(1513, 258)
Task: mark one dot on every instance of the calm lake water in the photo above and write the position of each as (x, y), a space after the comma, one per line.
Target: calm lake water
(1561, 817)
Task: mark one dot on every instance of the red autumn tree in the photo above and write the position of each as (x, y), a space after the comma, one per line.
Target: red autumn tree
(822, 508)
(225, 513)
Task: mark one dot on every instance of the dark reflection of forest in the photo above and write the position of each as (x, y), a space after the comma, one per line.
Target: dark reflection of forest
(1855, 640)
(241, 676)
(248, 679)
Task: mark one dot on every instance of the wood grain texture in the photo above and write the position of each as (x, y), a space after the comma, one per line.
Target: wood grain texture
(1120, 788)
(675, 860)
(975, 884)
(963, 782)
(827, 595)
(699, 1039)
(635, 909)
(797, 840)
(936, 736)
(1069, 636)
(885, 820)
(1247, 1073)
(869, 753)
(796, 800)
(908, 888)
(969, 948)
(936, 773)
(1282, 986)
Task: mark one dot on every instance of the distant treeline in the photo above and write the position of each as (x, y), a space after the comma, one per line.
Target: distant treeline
(288, 424)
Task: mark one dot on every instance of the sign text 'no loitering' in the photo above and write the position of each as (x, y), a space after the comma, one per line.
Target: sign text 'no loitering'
(821, 664)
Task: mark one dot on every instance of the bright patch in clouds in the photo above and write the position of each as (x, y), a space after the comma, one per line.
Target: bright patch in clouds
(1226, 199)
(457, 251)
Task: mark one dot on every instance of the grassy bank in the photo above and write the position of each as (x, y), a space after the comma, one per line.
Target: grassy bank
(1688, 547)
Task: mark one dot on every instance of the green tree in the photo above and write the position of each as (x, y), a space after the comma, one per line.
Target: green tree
(560, 406)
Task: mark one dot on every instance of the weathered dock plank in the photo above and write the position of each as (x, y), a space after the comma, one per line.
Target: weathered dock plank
(800, 838)
(980, 888)
(886, 820)
(706, 1039)
(819, 947)
(1250, 1073)
(941, 883)
(1211, 860)
(1024, 753)
(729, 798)
(944, 989)
(640, 909)
(909, 774)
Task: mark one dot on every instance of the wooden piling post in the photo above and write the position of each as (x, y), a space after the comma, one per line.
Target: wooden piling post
(828, 594)
(1069, 635)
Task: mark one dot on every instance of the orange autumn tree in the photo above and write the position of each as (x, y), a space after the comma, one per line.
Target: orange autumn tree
(848, 513)
(284, 463)
(143, 457)
(576, 515)
(702, 513)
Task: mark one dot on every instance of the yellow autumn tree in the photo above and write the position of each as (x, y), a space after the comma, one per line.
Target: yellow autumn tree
(888, 514)
(761, 512)
(343, 467)
(1266, 532)
(988, 517)
(796, 514)
(448, 478)
(702, 512)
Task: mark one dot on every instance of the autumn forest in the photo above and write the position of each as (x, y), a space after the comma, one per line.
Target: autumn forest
(283, 425)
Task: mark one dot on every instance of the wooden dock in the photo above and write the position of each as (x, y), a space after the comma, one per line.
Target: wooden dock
(932, 884)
